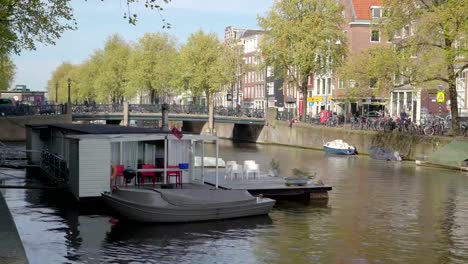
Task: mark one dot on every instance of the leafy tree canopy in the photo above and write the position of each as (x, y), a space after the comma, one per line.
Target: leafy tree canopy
(301, 38)
(113, 73)
(152, 65)
(7, 72)
(206, 67)
(372, 68)
(430, 37)
(24, 23)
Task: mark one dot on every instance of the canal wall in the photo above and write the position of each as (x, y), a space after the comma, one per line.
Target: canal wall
(11, 247)
(411, 147)
(12, 128)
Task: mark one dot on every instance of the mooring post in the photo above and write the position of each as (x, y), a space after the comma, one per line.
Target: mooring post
(165, 117)
(125, 114)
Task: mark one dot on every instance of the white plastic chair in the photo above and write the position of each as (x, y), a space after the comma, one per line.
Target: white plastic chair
(233, 170)
(251, 166)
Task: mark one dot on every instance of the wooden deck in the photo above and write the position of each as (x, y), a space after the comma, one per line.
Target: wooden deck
(272, 187)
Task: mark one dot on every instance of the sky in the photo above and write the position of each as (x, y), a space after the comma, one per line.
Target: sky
(98, 19)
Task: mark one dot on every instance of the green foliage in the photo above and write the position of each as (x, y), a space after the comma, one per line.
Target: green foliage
(152, 65)
(59, 79)
(371, 68)
(434, 41)
(112, 78)
(206, 67)
(86, 79)
(206, 63)
(300, 39)
(7, 72)
(150, 4)
(24, 23)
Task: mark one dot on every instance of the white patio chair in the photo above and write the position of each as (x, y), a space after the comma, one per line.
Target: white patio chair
(228, 169)
(233, 170)
(251, 166)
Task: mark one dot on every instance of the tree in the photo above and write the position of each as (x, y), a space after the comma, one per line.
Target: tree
(7, 72)
(434, 42)
(300, 39)
(23, 23)
(85, 82)
(372, 68)
(112, 78)
(205, 66)
(152, 66)
(59, 79)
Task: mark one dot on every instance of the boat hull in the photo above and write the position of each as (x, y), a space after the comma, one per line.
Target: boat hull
(159, 210)
(339, 151)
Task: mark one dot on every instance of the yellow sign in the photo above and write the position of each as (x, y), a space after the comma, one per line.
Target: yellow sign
(317, 99)
(440, 96)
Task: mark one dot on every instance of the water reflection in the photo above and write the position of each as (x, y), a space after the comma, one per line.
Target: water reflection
(378, 212)
(184, 243)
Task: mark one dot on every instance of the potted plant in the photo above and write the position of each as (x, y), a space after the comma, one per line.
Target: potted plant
(274, 168)
(299, 177)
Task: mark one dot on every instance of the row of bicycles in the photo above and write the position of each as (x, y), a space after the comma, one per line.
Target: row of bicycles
(429, 125)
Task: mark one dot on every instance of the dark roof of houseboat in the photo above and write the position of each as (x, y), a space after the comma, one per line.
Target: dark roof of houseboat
(101, 129)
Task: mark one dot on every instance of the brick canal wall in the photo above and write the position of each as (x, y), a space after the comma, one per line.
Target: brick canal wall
(313, 137)
(308, 136)
(12, 128)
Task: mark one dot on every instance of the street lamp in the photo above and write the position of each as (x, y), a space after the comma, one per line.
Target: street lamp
(56, 92)
(69, 84)
(69, 97)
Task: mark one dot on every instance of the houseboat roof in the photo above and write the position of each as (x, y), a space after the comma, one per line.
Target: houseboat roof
(141, 137)
(99, 129)
(116, 133)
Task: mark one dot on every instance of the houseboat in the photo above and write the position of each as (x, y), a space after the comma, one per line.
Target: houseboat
(115, 162)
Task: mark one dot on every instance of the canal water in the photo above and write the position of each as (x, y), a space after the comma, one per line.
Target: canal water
(378, 212)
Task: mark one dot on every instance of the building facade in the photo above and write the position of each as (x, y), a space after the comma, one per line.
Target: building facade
(254, 86)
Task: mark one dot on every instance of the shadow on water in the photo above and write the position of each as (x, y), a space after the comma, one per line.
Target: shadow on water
(124, 231)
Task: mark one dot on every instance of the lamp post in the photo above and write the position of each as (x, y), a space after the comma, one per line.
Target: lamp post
(56, 92)
(69, 97)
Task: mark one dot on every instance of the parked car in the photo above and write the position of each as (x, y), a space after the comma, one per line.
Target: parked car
(7, 106)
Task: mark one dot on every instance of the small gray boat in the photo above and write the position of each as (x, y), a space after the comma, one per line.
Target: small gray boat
(185, 205)
(381, 153)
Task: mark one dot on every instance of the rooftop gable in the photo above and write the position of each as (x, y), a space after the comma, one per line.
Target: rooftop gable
(362, 8)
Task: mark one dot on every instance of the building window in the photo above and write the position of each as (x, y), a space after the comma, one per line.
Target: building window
(376, 11)
(323, 86)
(329, 86)
(318, 86)
(375, 36)
(341, 84)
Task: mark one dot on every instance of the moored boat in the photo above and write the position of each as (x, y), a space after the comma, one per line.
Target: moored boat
(381, 153)
(338, 146)
(185, 205)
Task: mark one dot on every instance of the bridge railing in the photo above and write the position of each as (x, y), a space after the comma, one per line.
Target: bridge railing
(25, 110)
(173, 109)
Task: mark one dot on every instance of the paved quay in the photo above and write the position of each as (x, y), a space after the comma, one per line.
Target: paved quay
(11, 247)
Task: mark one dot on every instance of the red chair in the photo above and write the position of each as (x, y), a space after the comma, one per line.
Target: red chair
(151, 174)
(174, 173)
(119, 173)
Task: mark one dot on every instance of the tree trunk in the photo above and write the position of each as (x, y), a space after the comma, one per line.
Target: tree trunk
(152, 95)
(304, 101)
(210, 103)
(452, 89)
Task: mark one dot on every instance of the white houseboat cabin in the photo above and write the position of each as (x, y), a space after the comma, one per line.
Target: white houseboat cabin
(94, 156)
